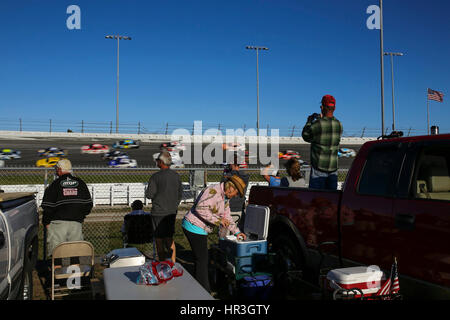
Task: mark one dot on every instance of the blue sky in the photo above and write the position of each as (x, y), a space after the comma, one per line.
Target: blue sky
(187, 61)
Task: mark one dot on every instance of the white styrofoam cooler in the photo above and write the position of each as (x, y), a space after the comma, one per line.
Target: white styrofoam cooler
(256, 226)
(368, 279)
(125, 257)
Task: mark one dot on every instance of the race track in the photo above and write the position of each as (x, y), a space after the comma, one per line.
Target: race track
(143, 155)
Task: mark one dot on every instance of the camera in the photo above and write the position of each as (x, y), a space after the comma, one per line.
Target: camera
(313, 117)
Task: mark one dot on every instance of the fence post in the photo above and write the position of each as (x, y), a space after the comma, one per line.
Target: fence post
(362, 134)
(167, 127)
(111, 196)
(292, 134)
(20, 121)
(93, 196)
(82, 126)
(50, 125)
(110, 127)
(409, 131)
(139, 127)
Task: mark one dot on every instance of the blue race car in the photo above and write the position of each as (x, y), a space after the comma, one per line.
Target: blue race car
(52, 152)
(122, 163)
(126, 144)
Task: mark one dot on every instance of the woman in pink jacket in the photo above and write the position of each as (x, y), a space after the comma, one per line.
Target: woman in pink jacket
(211, 208)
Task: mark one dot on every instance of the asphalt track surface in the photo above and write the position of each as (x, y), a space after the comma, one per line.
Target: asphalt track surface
(143, 155)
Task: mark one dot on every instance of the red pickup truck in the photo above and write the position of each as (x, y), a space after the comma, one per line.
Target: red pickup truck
(395, 202)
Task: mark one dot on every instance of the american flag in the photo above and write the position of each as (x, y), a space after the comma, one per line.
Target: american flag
(435, 95)
(391, 285)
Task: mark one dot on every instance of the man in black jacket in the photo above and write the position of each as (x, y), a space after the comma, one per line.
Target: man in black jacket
(67, 201)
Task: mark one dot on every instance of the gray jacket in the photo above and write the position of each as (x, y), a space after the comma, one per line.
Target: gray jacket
(165, 190)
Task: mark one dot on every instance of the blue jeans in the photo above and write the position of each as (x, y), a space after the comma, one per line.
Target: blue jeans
(323, 180)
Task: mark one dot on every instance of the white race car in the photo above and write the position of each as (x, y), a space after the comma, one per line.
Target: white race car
(177, 162)
(233, 146)
(173, 146)
(346, 152)
(122, 163)
(7, 154)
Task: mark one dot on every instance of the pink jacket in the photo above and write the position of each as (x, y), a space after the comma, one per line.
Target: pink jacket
(211, 209)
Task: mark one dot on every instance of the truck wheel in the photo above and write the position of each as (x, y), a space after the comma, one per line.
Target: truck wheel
(289, 263)
(30, 257)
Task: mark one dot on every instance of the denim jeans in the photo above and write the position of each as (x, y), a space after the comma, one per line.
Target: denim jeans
(323, 180)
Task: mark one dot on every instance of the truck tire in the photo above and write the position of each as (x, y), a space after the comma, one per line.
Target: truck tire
(30, 257)
(290, 264)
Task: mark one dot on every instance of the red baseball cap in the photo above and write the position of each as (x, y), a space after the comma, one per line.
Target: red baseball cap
(328, 101)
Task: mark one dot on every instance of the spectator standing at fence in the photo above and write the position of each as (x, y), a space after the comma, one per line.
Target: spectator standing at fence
(211, 208)
(324, 133)
(270, 174)
(294, 177)
(137, 209)
(165, 190)
(237, 203)
(66, 203)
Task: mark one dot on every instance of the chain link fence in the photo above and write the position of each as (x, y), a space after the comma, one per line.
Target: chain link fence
(113, 191)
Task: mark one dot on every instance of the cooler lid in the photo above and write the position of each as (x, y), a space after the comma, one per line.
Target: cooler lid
(125, 253)
(356, 274)
(257, 221)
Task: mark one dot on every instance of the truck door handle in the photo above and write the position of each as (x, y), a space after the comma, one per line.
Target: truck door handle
(2, 239)
(405, 221)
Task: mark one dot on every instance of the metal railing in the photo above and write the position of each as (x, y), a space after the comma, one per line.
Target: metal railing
(138, 127)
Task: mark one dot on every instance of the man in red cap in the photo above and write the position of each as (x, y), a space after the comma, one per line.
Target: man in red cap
(324, 133)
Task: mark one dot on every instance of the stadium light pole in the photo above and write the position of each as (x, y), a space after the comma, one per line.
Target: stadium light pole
(392, 54)
(257, 82)
(118, 37)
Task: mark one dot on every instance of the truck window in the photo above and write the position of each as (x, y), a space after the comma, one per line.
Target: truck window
(432, 177)
(377, 175)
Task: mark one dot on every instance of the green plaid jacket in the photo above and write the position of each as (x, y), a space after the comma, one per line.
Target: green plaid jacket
(324, 134)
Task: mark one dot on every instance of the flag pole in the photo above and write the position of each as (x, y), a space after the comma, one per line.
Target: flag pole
(428, 114)
(382, 66)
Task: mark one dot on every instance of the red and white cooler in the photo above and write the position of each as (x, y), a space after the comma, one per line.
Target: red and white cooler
(368, 279)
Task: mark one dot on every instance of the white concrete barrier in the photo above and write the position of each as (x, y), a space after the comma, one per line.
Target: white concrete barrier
(111, 194)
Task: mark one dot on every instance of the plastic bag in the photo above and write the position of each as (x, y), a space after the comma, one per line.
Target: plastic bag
(146, 275)
(155, 272)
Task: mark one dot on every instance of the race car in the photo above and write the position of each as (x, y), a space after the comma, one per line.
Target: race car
(47, 162)
(122, 163)
(126, 144)
(227, 168)
(95, 148)
(52, 152)
(177, 162)
(288, 154)
(232, 146)
(346, 152)
(173, 146)
(7, 154)
(113, 155)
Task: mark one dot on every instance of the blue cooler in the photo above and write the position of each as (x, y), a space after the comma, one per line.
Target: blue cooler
(256, 227)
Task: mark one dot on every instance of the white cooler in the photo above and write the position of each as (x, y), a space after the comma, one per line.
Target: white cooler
(125, 257)
(368, 279)
(256, 227)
